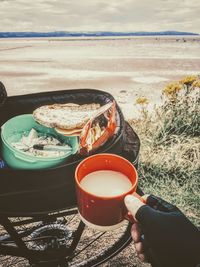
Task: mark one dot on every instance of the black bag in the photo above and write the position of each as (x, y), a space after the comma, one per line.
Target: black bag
(28, 192)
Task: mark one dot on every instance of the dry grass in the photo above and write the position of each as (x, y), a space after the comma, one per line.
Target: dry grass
(170, 150)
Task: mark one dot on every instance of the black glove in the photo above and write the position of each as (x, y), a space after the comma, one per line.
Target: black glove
(170, 239)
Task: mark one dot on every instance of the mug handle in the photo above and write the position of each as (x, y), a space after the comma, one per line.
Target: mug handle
(129, 216)
(139, 197)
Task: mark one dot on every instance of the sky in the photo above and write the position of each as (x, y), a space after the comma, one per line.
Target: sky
(99, 15)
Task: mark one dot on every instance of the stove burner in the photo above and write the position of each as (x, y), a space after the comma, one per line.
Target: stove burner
(52, 236)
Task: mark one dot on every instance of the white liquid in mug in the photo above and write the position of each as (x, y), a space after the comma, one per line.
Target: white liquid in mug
(106, 183)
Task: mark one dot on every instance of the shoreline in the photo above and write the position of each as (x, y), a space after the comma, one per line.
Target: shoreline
(125, 67)
(95, 38)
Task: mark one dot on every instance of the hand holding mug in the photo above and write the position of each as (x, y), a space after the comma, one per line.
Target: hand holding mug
(162, 234)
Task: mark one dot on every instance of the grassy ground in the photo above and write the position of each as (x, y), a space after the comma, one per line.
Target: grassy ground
(170, 151)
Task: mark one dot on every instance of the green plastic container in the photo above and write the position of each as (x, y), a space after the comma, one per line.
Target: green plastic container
(15, 128)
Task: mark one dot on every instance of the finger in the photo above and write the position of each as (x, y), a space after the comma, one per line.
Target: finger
(145, 197)
(160, 204)
(142, 257)
(139, 247)
(133, 204)
(136, 232)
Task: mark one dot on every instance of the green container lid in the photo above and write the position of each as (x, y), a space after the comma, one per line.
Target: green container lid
(15, 128)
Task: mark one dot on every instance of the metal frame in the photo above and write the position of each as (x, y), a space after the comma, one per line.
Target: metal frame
(13, 244)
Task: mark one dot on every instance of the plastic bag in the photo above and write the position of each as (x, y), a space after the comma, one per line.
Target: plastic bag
(99, 129)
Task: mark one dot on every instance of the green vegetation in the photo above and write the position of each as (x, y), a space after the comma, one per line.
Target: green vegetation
(170, 146)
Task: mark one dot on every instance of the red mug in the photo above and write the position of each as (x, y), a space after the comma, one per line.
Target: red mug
(102, 212)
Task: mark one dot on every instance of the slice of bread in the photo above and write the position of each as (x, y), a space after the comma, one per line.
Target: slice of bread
(74, 132)
(68, 116)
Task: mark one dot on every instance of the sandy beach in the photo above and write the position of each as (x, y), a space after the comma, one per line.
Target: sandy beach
(125, 67)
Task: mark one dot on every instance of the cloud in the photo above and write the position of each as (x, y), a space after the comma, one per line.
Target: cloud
(98, 15)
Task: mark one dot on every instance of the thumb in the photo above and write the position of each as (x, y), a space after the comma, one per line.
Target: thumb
(133, 204)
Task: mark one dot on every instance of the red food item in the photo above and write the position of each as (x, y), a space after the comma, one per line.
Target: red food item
(99, 129)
